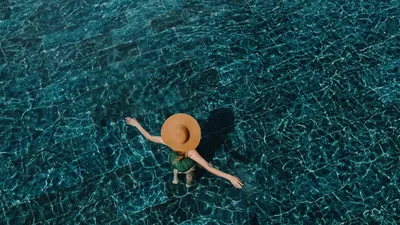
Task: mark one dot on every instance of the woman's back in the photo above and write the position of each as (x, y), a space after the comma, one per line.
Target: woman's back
(182, 165)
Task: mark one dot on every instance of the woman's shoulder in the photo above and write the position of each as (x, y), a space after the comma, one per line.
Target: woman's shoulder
(191, 152)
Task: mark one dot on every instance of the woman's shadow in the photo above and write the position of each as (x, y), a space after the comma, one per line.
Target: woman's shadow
(214, 134)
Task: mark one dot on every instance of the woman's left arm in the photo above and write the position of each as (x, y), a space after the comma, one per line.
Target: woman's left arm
(147, 135)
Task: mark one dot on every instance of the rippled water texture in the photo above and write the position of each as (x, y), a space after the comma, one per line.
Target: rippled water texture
(300, 99)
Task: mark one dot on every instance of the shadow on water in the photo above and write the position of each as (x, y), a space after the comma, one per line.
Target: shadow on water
(214, 134)
(253, 219)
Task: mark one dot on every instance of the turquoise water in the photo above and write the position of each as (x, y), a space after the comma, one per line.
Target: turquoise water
(300, 99)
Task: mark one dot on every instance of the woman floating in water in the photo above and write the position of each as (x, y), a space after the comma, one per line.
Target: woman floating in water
(182, 134)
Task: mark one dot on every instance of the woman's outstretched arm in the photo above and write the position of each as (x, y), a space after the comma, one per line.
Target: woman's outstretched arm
(193, 154)
(135, 123)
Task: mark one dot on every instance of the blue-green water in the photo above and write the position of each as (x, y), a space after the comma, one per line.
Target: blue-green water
(300, 99)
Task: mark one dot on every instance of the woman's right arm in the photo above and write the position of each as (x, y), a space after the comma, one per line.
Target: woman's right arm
(193, 154)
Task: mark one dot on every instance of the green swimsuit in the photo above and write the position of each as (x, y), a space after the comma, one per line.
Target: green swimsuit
(181, 165)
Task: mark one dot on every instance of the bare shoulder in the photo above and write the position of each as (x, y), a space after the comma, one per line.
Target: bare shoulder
(193, 154)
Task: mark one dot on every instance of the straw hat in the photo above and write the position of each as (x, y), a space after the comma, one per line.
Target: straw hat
(181, 132)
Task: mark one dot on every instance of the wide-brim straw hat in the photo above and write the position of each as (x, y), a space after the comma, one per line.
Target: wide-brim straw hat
(181, 132)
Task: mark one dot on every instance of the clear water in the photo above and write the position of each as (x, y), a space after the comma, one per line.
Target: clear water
(300, 99)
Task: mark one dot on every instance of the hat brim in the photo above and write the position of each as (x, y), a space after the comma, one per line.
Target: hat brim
(169, 127)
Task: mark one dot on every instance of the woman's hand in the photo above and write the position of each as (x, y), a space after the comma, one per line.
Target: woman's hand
(236, 182)
(132, 122)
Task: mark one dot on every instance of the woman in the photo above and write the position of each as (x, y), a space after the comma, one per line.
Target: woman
(182, 134)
